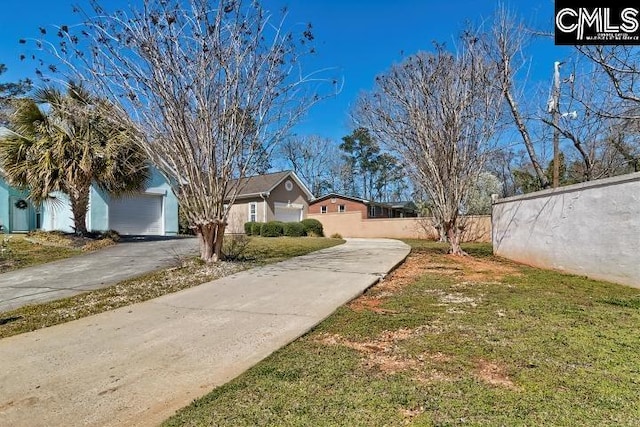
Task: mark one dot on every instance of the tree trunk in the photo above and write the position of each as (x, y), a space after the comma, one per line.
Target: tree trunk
(442, 234)
(453, 235)
(211, 237)
(522, 128)
(79, 198)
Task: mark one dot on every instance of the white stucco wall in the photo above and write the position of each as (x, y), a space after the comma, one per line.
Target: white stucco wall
(590, 229)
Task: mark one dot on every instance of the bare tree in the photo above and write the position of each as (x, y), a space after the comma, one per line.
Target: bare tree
(312, 158)
(621, 66)
(587, 131)
(500, 164)
(596, 116)
(439, 112)
(210, 90)
(615, 77)
(9, 92)
(503, 45)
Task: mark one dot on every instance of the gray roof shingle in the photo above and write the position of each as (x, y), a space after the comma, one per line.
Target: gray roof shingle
(256, 185)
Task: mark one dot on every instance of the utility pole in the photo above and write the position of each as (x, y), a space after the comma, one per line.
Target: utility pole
(554, 109)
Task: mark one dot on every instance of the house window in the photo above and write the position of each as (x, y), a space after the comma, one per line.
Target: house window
(342, 208)
(323, 209)
(253, 212)
(372, 211)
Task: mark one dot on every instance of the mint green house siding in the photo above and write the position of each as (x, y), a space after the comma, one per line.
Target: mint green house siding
(100, 203)
(98, 216)
(12, 218)
(122, 214)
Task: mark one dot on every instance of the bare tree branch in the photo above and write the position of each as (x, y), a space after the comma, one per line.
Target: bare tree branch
(439, 112)
(503, 44)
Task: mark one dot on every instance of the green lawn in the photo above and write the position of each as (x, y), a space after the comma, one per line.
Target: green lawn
(192, 272)
(269, 249)
(442, 341)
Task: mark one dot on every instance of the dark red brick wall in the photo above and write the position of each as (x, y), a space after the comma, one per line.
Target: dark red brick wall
(332, 208)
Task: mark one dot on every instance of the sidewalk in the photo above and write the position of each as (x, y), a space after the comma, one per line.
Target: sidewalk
(137, 365)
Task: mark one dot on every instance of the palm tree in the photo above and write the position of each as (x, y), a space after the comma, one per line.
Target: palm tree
(67, 141)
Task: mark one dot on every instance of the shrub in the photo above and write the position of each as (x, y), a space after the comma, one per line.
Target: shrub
(294, 229)
(312, 227)
(256, 229)
(336, 236)
(272, 229)
(250, 228)
(110, 234)
(234, 246)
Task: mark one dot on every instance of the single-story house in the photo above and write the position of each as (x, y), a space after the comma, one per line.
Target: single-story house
(278, 196)
(339, 203)
(151, 212)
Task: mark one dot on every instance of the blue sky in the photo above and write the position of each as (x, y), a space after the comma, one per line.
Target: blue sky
(358, 38)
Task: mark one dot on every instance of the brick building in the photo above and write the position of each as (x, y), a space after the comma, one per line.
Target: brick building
(337, 203)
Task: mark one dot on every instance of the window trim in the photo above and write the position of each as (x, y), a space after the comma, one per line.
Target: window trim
(342, 208)
(253, 211)
(323, 209)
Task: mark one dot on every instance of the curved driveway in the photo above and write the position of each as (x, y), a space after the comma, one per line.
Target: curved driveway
(95, 270)
(138, 364)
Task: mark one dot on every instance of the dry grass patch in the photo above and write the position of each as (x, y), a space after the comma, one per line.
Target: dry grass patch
(69, 240)
(95, 245)
(18, 251)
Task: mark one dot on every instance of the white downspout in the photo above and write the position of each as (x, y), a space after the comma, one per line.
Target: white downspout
(264, 205)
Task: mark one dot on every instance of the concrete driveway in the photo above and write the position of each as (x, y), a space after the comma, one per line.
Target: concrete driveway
(137, 365)
(91, 271)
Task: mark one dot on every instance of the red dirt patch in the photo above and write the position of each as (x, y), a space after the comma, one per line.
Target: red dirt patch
(468, 269)
(494, 374)
(382, 354)
(482, 270)
(369, 303)
(415, 266)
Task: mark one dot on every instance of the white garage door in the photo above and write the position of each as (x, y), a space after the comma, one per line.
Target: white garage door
(137, 215)
(288, 213)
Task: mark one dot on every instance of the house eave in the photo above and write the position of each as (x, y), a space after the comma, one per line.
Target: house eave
(252, 195)
(267, 191)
